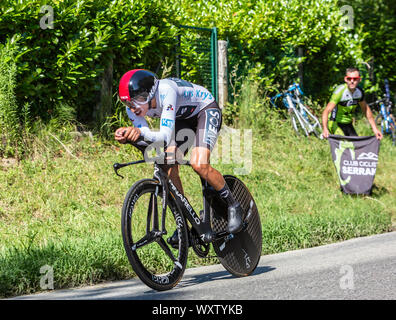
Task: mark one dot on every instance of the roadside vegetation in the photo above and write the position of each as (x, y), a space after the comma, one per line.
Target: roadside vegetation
(61, 206)
(60, 201)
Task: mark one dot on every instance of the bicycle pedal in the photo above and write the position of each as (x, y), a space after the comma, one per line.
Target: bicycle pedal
(226, 239)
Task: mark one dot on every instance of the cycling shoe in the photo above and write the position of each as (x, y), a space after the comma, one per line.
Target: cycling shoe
(174, 240)
(235, 223)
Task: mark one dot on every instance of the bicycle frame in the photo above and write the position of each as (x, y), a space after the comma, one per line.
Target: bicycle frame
(294, 105)
(306, 114)
(386, 116)
(301, 119)
(385, 111)
(201, 224)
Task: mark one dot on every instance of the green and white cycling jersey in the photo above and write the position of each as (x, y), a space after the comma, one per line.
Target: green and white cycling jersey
(346, 103)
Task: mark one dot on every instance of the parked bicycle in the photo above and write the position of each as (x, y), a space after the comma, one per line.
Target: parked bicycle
(301, 118)
(385, 119)
(155, 207)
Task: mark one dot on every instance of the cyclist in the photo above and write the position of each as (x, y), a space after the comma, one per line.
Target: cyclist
(343, 102)
(186, 111)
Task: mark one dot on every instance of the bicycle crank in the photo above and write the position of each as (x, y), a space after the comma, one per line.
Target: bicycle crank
(200, 248)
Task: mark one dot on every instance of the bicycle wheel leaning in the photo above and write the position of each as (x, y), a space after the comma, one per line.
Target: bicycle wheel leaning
(379, 122)
(240, 254)
(316, 128)
(297, 126)
(393, 132)
(392, 128)
(155, 263)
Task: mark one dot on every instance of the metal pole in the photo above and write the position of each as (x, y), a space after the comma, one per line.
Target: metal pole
(300, 66)
(178, 49)
(214, 63)
(222, 73)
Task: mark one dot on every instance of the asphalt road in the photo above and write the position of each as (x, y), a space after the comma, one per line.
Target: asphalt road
(362, 268)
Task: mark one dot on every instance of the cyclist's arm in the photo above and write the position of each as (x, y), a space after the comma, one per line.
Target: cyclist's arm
(334, 100)
(138, 122)
(369, 115)
(167, 122)
(325, 115)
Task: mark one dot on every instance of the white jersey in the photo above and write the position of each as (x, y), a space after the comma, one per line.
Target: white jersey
(175, 99)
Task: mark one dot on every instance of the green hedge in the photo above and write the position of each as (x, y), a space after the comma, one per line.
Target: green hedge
(265, 35)
(65, 64)
(377, 20)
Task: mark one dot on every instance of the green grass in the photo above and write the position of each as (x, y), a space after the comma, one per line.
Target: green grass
(62, 207)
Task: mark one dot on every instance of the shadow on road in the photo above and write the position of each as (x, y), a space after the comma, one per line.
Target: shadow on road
(136, 290)
(190, 281)
(220, 275)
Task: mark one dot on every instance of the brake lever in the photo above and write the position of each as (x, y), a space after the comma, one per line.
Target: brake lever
(116, 167)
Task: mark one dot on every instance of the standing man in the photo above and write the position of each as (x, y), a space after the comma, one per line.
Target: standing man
(343, 102)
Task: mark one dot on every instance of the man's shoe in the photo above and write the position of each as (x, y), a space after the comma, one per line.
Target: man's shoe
(235, 222)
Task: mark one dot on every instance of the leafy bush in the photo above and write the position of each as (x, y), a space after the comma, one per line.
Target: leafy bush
(267, 35)
(10, 130)
(66, 63)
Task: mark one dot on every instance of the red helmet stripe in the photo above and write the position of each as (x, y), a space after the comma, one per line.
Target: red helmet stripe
(123, 88)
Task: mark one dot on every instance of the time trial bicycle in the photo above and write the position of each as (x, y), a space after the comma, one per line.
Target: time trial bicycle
(301, 118)
(153, 207)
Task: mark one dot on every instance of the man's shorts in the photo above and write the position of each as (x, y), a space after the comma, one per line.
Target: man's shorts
(345, 129)
(201, 130)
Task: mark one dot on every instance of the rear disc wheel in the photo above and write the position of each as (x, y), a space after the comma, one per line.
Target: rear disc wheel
(240, 254)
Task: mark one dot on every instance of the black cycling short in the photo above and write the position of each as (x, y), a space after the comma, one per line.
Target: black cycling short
(348, 129)
(201, 130)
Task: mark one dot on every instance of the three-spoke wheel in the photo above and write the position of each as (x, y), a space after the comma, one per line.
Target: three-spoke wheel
(156, 263)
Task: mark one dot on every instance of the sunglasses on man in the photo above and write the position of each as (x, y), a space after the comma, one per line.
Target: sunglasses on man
(352, 78)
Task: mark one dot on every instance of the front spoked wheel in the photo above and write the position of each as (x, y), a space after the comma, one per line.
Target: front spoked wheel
(157, 264)
(239, 253)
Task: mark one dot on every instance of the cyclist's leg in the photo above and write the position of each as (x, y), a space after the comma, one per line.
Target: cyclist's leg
(178, 147)
(200, 162)
(348, 129)
(208, 127)
(173, 170)
(334, 128)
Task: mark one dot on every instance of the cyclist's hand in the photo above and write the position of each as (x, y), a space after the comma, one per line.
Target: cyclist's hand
(119, 135)
(326, 133)
(122, 135)
(378, 134)
(130, 134)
